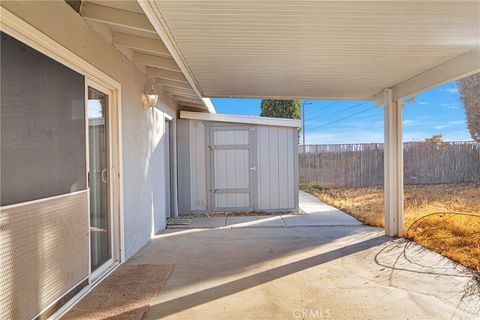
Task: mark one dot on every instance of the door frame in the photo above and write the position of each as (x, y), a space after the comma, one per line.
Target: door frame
(252, 141)
(170, 168)
(112, 133)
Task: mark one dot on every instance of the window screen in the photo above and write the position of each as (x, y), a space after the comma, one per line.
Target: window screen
(42, 117)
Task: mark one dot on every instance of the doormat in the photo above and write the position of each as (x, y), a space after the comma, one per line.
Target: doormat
(179, 221)
(125, 294)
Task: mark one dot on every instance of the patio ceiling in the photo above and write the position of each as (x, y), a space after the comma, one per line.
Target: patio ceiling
(124, 24)
(319, 49)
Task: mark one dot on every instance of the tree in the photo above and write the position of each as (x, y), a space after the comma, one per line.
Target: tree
(436, 138)
(469, 89)
(436, 141)
(289, 109)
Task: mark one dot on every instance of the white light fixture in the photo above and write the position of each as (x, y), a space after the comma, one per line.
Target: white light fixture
(152, 98)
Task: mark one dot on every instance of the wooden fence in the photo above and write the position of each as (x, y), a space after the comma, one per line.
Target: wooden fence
(361, 165)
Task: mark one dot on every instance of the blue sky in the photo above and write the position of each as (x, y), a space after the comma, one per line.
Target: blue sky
(436, 111)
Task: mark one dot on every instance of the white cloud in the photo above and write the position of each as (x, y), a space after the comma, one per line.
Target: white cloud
(456, 122)
(417, 135)
(459, 135)
(448, 135)
(449, 124)
(347, 136)
(376, 136)
(423, 102)
(408, 123)
(452, 90)
(450, 105)
(360, 124)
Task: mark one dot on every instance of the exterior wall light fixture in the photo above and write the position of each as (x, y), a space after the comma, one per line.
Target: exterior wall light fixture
(152, 98)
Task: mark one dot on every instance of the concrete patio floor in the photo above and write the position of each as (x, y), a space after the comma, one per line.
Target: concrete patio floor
(315, 214)
(328, 267)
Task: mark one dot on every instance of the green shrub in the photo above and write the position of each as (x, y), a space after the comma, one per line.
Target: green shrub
(310, 187)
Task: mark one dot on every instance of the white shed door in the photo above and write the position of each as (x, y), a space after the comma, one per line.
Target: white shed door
(232, 167)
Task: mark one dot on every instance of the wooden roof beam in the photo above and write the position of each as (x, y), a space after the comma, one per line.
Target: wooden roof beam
(181, 91)
(192, 105)
(174, 84)
(454, 69)
(157, 62)
(186, 99)
(117, 17)
(148, 45)
(166, 75)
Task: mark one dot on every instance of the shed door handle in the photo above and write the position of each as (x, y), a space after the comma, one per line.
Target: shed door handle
(253, 168)
(104, 175)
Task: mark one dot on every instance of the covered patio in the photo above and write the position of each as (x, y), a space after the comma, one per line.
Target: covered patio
(386, 51)
(133, 67)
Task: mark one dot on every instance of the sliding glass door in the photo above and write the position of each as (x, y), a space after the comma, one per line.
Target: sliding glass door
(98, 151)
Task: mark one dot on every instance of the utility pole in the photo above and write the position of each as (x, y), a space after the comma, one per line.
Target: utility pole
(303, 104)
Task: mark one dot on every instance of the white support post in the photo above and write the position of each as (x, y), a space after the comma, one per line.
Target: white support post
(393, 164)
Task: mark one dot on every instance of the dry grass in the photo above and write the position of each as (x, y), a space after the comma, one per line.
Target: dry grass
(443, 218)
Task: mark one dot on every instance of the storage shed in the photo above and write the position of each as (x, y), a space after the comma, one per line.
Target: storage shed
(236, 163)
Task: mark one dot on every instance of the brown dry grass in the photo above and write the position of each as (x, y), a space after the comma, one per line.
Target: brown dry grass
(443, 218)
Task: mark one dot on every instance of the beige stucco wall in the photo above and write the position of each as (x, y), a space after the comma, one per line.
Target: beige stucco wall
(143, 144)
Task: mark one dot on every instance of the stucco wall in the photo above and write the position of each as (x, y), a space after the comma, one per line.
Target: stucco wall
(143, 136)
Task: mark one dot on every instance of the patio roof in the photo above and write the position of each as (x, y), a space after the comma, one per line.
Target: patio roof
(332, 49)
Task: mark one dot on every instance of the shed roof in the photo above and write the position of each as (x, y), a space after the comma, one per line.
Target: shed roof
(215, 117)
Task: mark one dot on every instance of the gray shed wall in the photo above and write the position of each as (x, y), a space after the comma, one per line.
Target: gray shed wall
(183, 165)
(276, 185)
(277, 168)
(198, 166)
